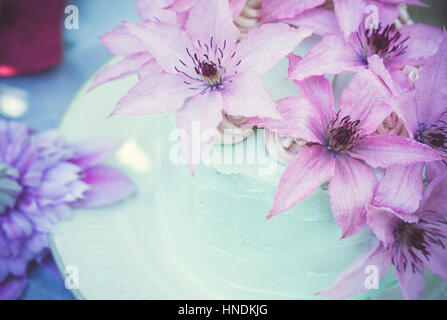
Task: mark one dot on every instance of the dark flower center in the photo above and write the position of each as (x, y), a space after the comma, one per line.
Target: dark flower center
(344, 134)
(209, 73)
(434, 136)
(207, 70)
(413, 242)
(385, 42)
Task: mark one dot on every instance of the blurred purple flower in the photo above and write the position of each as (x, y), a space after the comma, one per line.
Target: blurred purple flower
(30, 35)
(41, 179)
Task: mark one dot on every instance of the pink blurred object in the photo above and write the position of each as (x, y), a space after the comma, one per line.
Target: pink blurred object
(30, 35)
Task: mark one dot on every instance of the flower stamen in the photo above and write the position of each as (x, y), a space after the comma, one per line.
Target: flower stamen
(343, 134)
(386, 42)
(434, 136)
(413, 241)
(207, 72)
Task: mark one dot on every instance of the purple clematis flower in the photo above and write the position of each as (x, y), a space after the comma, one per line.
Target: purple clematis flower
(394, 47)
(204, 63)
(424, 109)
(30, 35)
(338, 144)
(41, 179)
(135, 57)
(410, 243)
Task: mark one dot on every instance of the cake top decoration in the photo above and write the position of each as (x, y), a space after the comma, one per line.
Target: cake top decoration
(390, 120)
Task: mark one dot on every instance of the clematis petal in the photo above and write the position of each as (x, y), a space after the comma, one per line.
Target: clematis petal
(155, 10)
(107, 186)
(236, 7)
(389, 150)
(423, 42)
(181, 5)
(401, 188)
(312, 166)
(282, 9)
(351, 188)
(406, 109)
(330, 56)
(435, 169)
(352, 281)
(199, 120)
(246, 96)
(166, 42)
(212, 19)
(318, 91)
(121, 69)
(120, 42)
(438, 259)
(377, 67)
(298, 120)
(262, 48)
(150, 69)
(13, 288)
(435, 196)
(349, 14)
(388, 12)
(323, 22)
(163, 93)
(366, 99)
(430, 93)
(411, 284)
(94, 151)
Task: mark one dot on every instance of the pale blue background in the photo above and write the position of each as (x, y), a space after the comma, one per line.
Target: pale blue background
(50, 92)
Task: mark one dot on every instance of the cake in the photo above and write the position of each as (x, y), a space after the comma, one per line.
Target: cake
(212, 226)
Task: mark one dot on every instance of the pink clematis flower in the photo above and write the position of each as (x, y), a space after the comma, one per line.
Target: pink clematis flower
(410, 243)
(136, 58)
(30, 35)
(394, 47)
(204, 63)
(338, 144)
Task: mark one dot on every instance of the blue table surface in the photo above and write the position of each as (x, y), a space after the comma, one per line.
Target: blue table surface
(49, 93)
